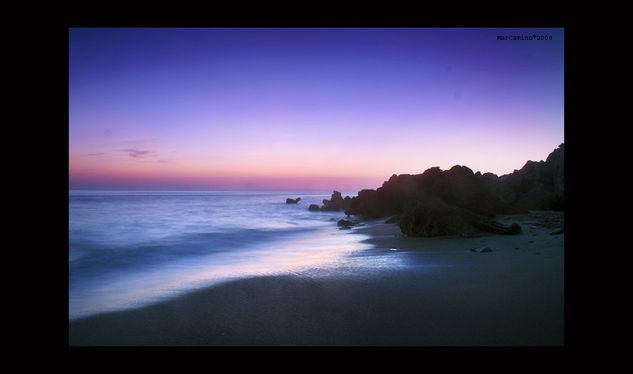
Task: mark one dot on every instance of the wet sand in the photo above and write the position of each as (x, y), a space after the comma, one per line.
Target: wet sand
(418, 292)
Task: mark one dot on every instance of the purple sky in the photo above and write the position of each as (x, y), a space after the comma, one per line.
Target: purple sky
(306, 108)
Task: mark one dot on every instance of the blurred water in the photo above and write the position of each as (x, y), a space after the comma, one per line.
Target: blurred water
(130, 248)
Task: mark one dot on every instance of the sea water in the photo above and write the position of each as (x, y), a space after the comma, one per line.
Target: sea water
(132, 248)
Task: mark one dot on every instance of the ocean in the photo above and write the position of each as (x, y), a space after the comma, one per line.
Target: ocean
(132, 248)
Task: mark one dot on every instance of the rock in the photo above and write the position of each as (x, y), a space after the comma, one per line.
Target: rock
(484, 250)
(369, 204)
(556, 163)
(336, 203)
(430, 216)
(464, 201)
(393, 219)
(537, 185)
(345, 223)
(293, 201)
(314, 207)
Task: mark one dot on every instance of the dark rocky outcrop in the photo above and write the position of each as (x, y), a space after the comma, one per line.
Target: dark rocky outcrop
(537, 185)
(336, 202)
(293, 201)
(458, 186)
(430, 216)
(314, 207)
(458, 201)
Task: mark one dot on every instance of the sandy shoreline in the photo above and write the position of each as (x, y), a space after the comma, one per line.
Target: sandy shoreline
(435, 292)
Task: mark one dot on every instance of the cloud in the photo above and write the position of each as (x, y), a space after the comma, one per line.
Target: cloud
(96, 154)
(136, 153)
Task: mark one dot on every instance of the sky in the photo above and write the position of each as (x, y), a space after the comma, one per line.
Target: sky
(318, 108)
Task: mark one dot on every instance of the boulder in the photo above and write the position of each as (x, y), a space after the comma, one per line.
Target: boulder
(336, 202)
(430, 216)
(314, 207)
(293, 201)
(346, 224)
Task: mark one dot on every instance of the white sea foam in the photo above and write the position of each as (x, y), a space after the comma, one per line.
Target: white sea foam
(129, 248)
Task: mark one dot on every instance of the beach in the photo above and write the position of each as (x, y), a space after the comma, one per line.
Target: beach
(439, 291)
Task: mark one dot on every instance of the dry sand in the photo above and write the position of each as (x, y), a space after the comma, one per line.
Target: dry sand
(419, 292)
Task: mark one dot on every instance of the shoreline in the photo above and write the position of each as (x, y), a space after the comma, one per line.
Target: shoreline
(422, 292)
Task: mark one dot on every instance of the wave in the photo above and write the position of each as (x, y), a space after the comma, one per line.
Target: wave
(86, 256)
